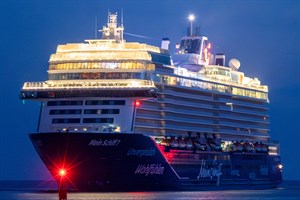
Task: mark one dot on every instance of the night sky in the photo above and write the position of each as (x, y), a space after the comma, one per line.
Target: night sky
(262, 34)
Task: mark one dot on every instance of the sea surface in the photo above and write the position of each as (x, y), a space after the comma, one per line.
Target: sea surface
(46, 190)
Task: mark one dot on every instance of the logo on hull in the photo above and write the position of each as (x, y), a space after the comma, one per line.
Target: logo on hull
(141, 152)
(104, 143)
(210, 171)
(144, 169)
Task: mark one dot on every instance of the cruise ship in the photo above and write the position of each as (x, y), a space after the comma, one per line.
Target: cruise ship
(128, 116)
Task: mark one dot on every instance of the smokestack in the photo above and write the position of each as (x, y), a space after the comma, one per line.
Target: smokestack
(165, 44)
(220, 59)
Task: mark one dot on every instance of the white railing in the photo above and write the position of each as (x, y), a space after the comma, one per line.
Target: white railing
(87, 84)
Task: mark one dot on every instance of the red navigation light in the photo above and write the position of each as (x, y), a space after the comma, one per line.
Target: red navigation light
(137, 103)
(62, 172)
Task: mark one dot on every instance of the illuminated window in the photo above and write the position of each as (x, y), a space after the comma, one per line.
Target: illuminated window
(98, 120)
(105, 102)
(102, 65)
(66, 121)
(102, 111)
(64, 103)
(65, 112)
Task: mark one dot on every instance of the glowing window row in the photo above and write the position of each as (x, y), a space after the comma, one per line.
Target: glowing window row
(85, 120)
(98, 120)
(249, 93)
(210, 86)
(88, 102)
(218, 72)
(102, 65)
(105, 102)
(105, 56)
(78, 76)
(64, 103)
(65, 112)
(102, 111)
(87, 111)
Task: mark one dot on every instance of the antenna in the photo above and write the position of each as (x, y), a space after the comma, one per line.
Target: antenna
(107, 16)
(95, 27)
(141, 36)
(191, 19)
(122, 18)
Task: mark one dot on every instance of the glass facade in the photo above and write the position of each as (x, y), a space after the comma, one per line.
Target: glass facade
(102, 65)
(186, 82)
(165, 79)
(160, 58)
(190, 46)
(101, 56)
(110, 75)
(219, 71)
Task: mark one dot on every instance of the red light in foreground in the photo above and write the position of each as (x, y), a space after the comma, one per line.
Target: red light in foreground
(62, 172)
(137, 103)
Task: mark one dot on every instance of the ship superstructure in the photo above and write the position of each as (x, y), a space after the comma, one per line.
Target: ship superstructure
(147, 120)
(112, 69)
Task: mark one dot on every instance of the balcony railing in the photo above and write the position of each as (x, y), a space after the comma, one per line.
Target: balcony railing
(86, 84)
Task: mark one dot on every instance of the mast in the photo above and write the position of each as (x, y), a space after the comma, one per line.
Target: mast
(95, 27)
(112, 31)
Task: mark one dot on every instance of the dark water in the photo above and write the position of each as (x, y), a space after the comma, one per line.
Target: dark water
(43, 190)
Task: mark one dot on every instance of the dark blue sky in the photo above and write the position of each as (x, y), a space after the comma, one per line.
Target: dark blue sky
(262, 34)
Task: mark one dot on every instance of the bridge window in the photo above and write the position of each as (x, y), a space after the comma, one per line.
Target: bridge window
(102, 111)
(98, 120)
(105, 102)
(66, 121)
(64, 103)
(65, 112)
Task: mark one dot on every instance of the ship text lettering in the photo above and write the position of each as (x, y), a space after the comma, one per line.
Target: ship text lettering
(210, 171)
(149, 169)
(141, 152)
(111, 143)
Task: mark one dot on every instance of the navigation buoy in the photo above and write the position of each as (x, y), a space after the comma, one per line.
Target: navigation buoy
(62, 191)
(62, 187)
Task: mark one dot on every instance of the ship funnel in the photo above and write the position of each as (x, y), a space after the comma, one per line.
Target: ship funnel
(220, 59)
(165, 44)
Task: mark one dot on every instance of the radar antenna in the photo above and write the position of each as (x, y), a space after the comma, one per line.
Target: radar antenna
(96, 27)
(122, 18)
(112, 31)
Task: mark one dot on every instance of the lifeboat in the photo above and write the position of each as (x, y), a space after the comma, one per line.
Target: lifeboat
(264, 148)
(238, 147)
(248, 147)
(181, 143)
(164, 142)
(189, 143)
(258, 147)
(174, 143)
(200, 143)
(215, 147)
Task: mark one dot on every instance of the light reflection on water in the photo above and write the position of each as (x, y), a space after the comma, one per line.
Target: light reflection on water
(272, 194)
(288, 190)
